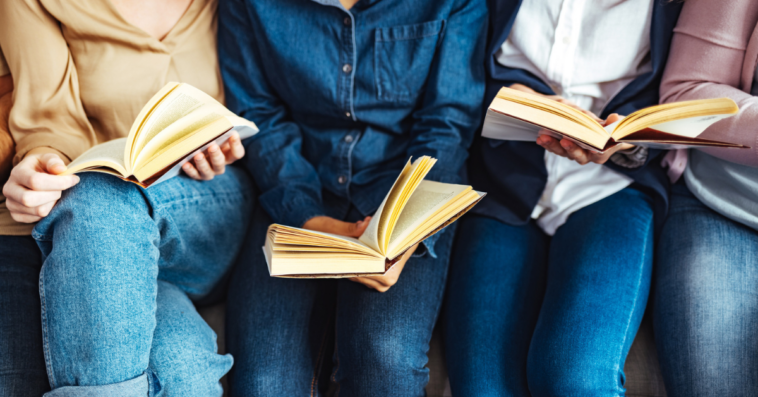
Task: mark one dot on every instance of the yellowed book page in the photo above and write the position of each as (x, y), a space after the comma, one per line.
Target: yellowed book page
(526, 113)
(428, 199)
(295, 236)
(173, 108)
(370, 237)
(179, 149)
(549, 106)
(109, 154)
(454, 208)
(174, 133)
(699, 111)
(143, 116)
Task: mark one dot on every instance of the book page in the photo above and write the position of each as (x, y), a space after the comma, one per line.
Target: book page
(500, 126)
(425, 202)
(175, 107)
(393, 203)
(370, 236)
(664, 115)
(525, 113)
(109, 154)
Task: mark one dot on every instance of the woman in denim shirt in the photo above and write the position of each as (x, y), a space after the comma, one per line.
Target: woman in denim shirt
(344, 92)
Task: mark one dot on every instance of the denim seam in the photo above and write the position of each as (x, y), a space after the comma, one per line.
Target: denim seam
(45, 338)
(336, 364)
(317, 369)
(634, 304)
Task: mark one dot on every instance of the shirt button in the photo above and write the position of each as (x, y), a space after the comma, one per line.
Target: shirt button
(347, 114)
(342, 179)
(347, 68)
(346, 21)
(349, 138)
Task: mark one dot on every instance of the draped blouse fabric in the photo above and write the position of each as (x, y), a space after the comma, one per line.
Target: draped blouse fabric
(586, 52)
(82, 73)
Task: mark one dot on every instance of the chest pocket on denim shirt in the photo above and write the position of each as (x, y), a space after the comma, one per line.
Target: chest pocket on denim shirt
(402, 58)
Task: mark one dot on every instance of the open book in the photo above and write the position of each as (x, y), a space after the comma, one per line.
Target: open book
(175, 124)
(519, 116)
(413, 210)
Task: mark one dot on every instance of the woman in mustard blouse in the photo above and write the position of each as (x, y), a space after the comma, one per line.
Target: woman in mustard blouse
(120, 265)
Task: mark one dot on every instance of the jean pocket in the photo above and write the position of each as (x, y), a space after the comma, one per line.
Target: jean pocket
(403, 56)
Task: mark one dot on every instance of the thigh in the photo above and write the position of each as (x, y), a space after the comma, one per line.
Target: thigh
(202, 227)
(599, 271)
(706, 305)
(22, 363)
(184, 354)
(495, 288)
(277, 329)
(382, 338)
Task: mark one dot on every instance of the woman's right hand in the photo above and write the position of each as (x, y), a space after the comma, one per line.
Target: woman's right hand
(328, 224)
(35, 185)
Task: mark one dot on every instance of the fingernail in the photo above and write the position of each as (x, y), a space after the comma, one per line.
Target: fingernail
(199, 156)
(186, 166)
(213, 148)
(76, 179)
(359, 223)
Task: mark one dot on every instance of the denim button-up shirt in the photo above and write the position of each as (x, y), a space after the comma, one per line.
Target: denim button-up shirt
(344, 98)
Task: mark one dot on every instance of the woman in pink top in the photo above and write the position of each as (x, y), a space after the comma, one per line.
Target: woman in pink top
(706, 299)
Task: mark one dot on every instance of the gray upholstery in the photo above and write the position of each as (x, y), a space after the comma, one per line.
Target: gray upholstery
(643, 375)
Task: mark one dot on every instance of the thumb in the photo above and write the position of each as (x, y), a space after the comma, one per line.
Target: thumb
(52, 164)
(612, 118)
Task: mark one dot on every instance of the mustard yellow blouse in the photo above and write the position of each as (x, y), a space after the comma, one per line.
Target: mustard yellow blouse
(82, 73)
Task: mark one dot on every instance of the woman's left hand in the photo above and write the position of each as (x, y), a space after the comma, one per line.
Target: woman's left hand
(567, 148)
(384, 282)
(205, 166)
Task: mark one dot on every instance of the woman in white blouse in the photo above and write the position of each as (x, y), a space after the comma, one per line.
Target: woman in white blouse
(551, 273)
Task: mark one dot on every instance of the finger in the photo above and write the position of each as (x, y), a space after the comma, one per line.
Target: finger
(40, 181)
(24, 218)
(218, 161)
(191, 171)
(362, 225)
(574, 152)
(206, 173)
(237, 150)
(29, 198)
(52, 164)
(554, 146)
(612, 118)
(38, 211)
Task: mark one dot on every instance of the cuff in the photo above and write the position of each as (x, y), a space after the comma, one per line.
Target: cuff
(631, 158)
(427, 246)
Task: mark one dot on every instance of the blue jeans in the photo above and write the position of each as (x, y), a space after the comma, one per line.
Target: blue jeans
(22, 364)
(282, 331)
(122, 266)
(706, 301)
(531, 315)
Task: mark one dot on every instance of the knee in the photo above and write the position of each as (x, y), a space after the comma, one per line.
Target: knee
(102, 196)
(572, 376)
(389, 357)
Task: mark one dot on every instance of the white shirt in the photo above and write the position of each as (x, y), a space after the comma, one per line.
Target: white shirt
(587, 51)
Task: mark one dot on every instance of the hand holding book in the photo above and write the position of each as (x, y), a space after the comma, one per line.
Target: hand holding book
(566, 148)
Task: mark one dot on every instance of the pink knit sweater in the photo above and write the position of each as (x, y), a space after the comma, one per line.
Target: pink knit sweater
(714, 54)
